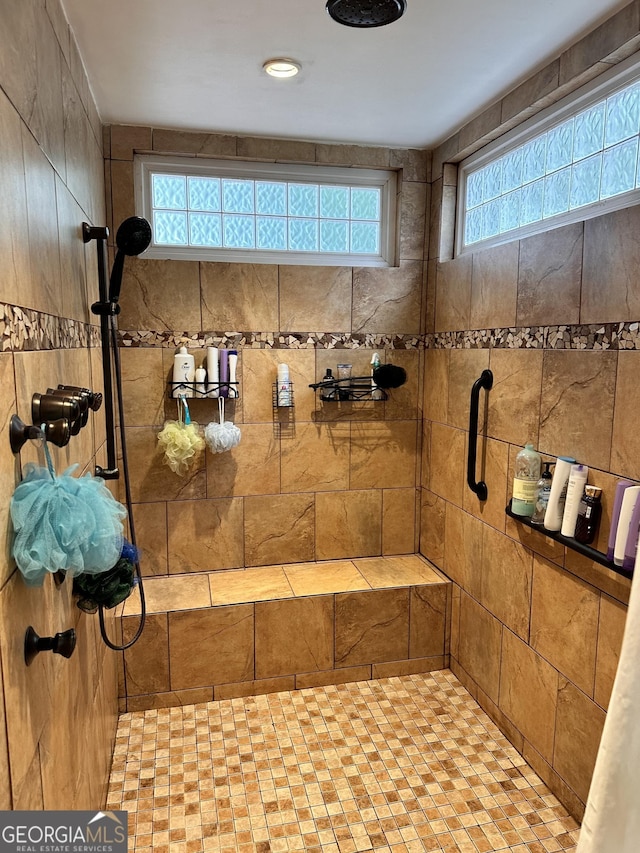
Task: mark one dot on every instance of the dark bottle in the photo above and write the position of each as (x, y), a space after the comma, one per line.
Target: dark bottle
(589, 515)
(329, 392)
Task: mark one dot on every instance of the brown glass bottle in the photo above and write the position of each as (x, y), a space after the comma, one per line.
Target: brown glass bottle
(589, 515)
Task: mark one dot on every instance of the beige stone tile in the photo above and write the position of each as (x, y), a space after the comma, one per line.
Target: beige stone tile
(259, 148)
(261, 584)
(453, 294)
(9, 464)
(518, 102)
(548, 548)
(575, 382)
(251, 468)
(333, 676)
(314, 298)
(279, 529)
(294, 636)
(550, 276)
(409, 570)
(315, 457)
(413, 202)
(506, 580)
(160, 295)
(408, 667)
(372, 627)
(463, 549)
(514, 400)
(625, 448)
(259, 372)
(479, 645)
(387, 300)
(205, 535)
(186, 142)
(323, 578)
(564, 622)
(610, 632)
(14, 248)
(599, 43)
(432, 527)
(611, 254)
(383, 455)
(122, 201)
(402, 402)
(448, 462)
(254, 688)
(398, 521)
(126, 140)
(428, 323)
(579, 725)
(352, 155)
(173, 699)
(348, 524)
(184, 592)
(146, 663)
(494, 287)
(212, 646)
(425, 454)
(465, 367)
(44, 289)
(436, 384)
(428, 614)
(598, 576)
(492, 467)
(143, 386)
(414, 162)
(152, 479)
(78, 262)
(150, 521)
(239, 296)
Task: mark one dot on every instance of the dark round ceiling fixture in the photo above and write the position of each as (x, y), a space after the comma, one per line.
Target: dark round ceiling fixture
(366, 13)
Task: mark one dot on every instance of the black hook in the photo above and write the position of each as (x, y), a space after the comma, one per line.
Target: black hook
(63, 644)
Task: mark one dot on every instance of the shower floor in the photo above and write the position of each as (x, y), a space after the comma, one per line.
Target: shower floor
(400, 764)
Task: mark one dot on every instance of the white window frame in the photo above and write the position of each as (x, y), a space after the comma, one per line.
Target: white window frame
(385, 180)
(608, 83)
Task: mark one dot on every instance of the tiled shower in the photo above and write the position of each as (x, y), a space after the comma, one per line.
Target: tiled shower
(554, 316)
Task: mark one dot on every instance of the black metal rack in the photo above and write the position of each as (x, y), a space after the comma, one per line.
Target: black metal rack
(176, 387)
(358, 389)
(569, 542)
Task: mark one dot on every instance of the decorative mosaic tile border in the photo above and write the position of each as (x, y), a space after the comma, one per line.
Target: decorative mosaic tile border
(24, 329)
(270, 340)
(605, 336)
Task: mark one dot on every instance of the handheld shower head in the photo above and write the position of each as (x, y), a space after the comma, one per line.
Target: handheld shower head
(132, 238)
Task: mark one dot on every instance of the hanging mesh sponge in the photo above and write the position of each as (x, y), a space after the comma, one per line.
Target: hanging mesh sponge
(223, 435)
(180, 440)
(64, 523)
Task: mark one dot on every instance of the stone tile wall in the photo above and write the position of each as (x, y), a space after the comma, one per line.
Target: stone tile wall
(536, 629)
(57, 717)
(325, 482)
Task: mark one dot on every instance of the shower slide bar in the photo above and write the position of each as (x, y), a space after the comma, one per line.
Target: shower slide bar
(484, 381)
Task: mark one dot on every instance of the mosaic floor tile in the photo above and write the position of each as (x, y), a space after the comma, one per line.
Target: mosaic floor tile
(400, 764)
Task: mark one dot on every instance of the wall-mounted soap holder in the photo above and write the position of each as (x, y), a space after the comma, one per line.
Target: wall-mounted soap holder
(282, 395)
(358, 388)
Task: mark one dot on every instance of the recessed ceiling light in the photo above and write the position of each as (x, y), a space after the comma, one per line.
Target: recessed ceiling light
(282, 67)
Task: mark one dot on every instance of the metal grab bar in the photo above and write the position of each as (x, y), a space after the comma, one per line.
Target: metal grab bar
(485, 381)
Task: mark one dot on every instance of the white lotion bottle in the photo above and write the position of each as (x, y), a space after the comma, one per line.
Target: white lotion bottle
(575, 490)
(184, 373)
(233, 372)
(201, 386)
(284, 388)
(631, 495)
(213, 372)
(558, 493)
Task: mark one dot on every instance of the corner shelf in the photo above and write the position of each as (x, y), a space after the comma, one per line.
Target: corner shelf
(570, 542)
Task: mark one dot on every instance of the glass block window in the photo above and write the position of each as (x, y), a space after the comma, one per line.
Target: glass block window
(578, 159)
(266, 212)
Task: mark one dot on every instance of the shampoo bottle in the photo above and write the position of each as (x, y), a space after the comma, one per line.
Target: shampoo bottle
(589, 515)
(184, 373)
(621, 487)
(543, 490)
(201, 386)
(631, 496)
(213, 372)
(284, 387)
(224, 373)
(558, 493)
(526, 478)
(233, 368)
(631, 548)
(575, 490)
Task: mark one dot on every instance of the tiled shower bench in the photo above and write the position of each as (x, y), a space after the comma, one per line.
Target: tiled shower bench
(226, 634)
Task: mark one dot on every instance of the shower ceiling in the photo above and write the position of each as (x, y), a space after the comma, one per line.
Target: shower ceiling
(197, 65)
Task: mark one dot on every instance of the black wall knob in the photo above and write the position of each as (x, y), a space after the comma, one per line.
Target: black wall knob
(63, 643)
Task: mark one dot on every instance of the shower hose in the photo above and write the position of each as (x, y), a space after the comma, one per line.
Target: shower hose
(113, 345)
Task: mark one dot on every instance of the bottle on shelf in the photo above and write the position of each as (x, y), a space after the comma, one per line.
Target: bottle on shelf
(589, 515)
(527, 474)
(543, 490)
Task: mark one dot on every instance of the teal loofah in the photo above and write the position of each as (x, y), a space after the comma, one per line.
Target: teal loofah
(64, 523)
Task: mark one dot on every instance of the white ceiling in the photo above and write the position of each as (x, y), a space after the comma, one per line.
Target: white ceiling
(197, 64)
